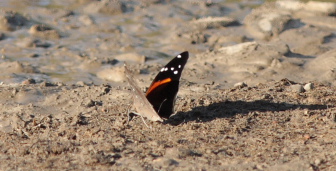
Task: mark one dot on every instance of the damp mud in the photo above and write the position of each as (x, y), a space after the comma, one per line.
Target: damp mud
(258, 91)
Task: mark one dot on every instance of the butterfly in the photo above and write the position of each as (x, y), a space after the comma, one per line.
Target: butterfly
(158, 102)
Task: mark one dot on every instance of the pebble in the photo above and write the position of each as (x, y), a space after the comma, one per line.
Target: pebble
(29, 81)
(327, 8)
(214, 22)
(240, 85)
(264, 23)
(86, 20)
(317, 162)
(44, 31)
(6, 126)
(309, 86)
(104, 7)
(321, 7)
(60, 84)
(290, 5)
(89, 103)
(31, 43)
(247, 46)
(46, 84)
(297, 88)
(33, 55)
(80, 83)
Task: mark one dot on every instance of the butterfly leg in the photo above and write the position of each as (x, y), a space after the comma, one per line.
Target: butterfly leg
(161, 105)
(129, 118)
(128, 114)
(142, 119)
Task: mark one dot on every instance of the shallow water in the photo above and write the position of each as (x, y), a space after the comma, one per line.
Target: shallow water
(87, 38)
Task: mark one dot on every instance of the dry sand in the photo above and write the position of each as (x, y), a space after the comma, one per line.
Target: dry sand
(258, 92)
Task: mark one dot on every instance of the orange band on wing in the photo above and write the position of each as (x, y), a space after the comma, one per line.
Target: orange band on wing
(157, 84)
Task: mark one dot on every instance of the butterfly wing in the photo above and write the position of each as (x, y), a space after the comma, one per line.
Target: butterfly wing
(163, 90)
(141, 104)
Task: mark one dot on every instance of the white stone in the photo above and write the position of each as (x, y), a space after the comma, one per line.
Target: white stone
(322, 7)
(290, 5)
(309, 86)
(240, 85)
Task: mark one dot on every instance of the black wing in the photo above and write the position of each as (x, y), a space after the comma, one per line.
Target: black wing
(162, 92)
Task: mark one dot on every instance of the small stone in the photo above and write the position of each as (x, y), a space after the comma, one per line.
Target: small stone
(260, 167)
(264, 23)
(170, 162)
(44, 31)
(34, 55)
(6, 126)
(31, 42)
(89, 103)
(46, 84)
(29, 81)
(297, 88)
(80, 83)
(321, 7)
(108, 7)
(238, 48)
(86, 20)
(214, 22)
(14, 92)
(240, 85)
(60, 84)
(309, 86)
(290, 5)
(317, 162)
(306, 137)
(105, 110)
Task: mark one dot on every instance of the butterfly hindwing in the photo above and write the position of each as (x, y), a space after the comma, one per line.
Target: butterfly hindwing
(163, 90)
(141, 103)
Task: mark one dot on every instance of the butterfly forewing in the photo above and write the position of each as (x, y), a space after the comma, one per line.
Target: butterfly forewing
(173, 69)
(162, 92)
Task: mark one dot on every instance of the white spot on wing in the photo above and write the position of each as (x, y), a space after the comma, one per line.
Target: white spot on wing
(179, 56)
(166, 69)
(179, 66)
(162, 69)
(172, 68)
(175, 72)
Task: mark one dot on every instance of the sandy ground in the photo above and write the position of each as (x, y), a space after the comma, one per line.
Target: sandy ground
(258, 91)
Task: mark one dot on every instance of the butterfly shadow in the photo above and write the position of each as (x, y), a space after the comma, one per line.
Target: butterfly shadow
(229, 109)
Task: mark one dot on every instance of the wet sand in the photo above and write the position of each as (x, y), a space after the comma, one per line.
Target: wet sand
(258, 91)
